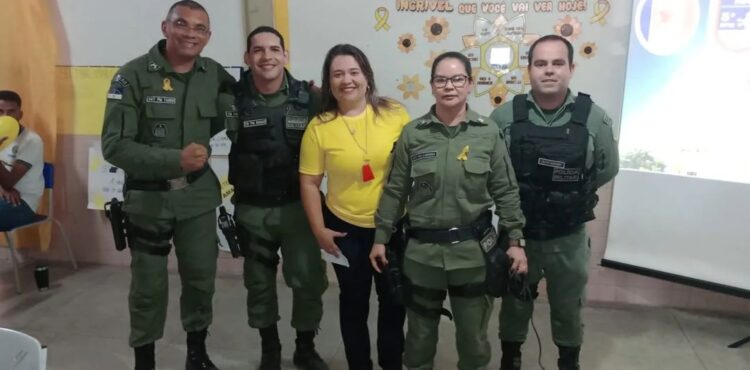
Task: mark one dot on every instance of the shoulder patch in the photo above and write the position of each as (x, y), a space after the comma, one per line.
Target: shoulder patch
(119, 79)
(115, 92)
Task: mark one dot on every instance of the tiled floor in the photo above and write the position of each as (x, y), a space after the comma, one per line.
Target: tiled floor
(83, 319)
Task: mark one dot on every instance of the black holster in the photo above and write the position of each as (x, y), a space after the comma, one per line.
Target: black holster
(498, 266)
(119, 221)
(228, 228)
(394, 253)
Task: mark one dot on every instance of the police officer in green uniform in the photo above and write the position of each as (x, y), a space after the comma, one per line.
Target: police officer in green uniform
(274, 110)
(162, 109)
(563, 149)
(449, 168)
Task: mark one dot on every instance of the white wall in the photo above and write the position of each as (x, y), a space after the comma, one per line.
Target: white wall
(112, 32)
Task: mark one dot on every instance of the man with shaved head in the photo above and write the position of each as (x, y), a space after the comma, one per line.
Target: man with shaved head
(162, 109)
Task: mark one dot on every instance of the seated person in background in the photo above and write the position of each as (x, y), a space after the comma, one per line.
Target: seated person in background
(21, 179)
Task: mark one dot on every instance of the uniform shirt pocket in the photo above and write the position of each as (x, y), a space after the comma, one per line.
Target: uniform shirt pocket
(160, 120)
(424, 182)
(473, 185)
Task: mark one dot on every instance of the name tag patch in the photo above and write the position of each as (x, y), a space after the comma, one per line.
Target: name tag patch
(423, 156)
(566, 174)
(255, 122)
(550, 163)
(296, 122)
(161, 100)
(232, 112)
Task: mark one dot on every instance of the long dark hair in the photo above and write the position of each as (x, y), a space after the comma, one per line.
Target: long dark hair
(330, 104)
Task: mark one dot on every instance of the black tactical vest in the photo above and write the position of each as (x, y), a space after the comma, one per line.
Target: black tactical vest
(557, 192)
(264, 162)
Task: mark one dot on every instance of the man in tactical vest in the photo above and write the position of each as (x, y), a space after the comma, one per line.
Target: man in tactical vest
(274, 110)
(162, 109)
(563, 149)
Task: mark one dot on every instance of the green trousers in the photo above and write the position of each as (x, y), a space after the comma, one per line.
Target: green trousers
(284, 227)
(563, 262)
(195, 244)
(470, 315)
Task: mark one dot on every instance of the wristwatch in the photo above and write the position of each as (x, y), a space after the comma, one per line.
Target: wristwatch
(520, 243)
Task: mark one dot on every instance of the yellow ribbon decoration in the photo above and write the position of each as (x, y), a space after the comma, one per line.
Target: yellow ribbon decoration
(464, 154)
(167, 85)
(601, 9)
(381, 16)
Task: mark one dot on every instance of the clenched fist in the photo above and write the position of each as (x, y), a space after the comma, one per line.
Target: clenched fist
(193, 157)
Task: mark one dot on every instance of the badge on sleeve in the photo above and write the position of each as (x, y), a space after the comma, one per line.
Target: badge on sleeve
(117, 87)
(115, 92)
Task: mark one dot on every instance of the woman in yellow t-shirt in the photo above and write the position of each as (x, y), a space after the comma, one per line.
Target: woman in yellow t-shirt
(351, 143)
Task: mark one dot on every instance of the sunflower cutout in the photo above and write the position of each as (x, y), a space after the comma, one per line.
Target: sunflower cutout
(406, 43)
(498, 95)
(568, 27)
(411, 87)
(436, 29)
(588, 50)
(431, 59)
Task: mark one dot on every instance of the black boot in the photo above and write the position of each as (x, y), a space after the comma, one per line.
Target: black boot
(305, 356)
(197, 358)
(270, 358)
(144, 357)
(568, 358)
(511, 359)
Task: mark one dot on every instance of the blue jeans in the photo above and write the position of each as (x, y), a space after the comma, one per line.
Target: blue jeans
(355, 283)
(13, 216)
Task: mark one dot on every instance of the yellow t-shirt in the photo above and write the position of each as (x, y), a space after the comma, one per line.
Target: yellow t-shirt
(341, 147)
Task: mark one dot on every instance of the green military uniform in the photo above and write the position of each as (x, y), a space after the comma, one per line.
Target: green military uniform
(152, 113)
(562, 260)
(274, 218)
(448, 177)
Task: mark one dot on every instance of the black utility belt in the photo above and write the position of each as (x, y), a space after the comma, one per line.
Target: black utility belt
(165, 185)
(453, 235)
(265, 200)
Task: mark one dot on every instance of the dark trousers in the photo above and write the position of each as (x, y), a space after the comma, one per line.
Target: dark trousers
(355, 283)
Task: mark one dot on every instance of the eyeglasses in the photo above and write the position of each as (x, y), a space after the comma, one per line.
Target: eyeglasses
(184, 27)
(457, 81)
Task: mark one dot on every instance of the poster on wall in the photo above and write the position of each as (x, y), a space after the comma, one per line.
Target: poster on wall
(220, 166)
(402, 38)
(104, 180)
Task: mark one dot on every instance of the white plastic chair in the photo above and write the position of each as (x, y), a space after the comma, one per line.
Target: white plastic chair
(20, 351)
(49, 183)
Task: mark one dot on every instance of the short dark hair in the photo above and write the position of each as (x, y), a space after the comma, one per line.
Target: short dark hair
(455, 55)
(264, 29)
(192, 4)
(329, 101)
(11, 96)
(552, 37)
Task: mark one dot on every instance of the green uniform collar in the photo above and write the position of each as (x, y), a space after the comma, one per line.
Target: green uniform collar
(266, 99)
(569, 101)
(157, 62)
(472, 118)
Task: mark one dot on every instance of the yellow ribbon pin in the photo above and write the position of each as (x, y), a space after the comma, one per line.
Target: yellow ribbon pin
(167, 85)
(381, 16)
(464, 154)
(601, 9)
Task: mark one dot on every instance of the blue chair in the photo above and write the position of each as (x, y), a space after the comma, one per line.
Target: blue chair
(49, 182)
